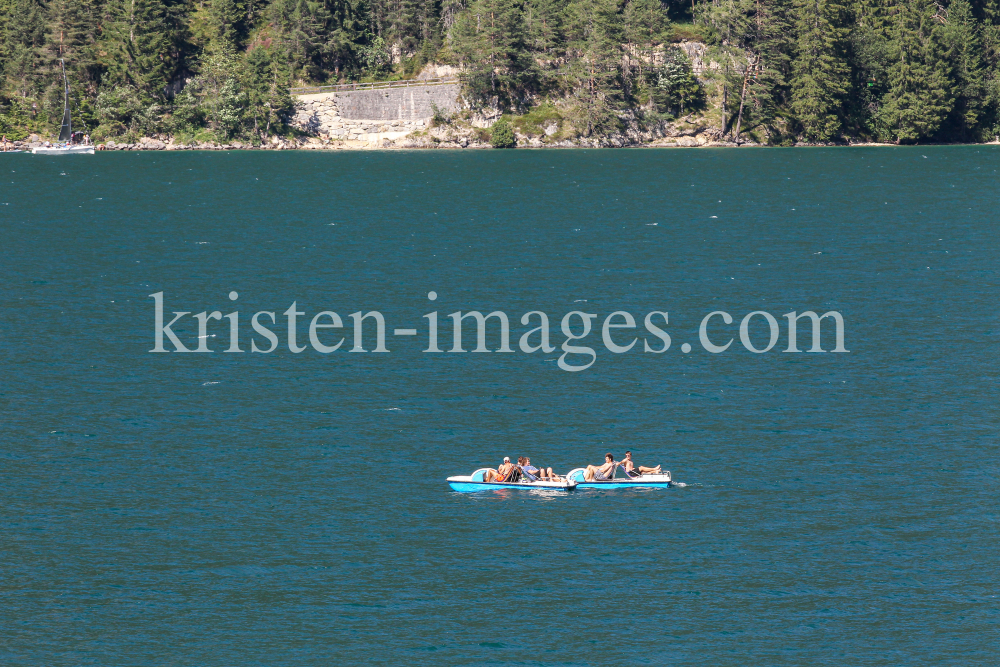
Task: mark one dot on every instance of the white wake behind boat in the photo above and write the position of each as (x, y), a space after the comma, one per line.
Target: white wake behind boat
(474, 482)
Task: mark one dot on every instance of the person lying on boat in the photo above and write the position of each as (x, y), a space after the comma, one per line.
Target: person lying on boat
(502, 474)
(602, 473)
(631, 467)
(545, 474)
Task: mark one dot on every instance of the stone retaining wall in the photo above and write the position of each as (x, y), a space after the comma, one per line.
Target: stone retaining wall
(372, 115)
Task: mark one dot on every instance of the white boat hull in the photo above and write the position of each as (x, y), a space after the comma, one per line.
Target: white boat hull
(62, 150)
(650, 481)
(474, 482)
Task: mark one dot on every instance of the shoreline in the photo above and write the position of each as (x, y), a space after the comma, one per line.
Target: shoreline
(315, 144)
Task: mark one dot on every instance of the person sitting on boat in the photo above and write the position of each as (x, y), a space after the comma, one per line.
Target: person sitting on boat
(501, 474)
(630, 466)
(541, 473)
(602, 473)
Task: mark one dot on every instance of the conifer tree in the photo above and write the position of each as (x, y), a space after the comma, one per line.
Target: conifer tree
(489, 40)
(961, 35)
(266, 80)
(450, 10)
(228, 19)
(137, 44)
(920, 92)
(543, 20)
(754, 51)
(820, 76)
(674, 87)
(644, 27)
(404, 24)
(874, 15)
(989, 40)
(593, 30)
(23, 42)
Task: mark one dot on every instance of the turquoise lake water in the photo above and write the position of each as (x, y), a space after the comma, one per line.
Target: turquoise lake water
(291, 509)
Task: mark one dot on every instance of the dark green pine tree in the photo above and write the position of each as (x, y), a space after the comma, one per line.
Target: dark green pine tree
(489, 40)
(986, 11)
(645, 26)
(24, 40)
(266, 80)
(320, 37)
(820, 75)
(920, 94)
(873, 15)
(961, 35)
(297, 33)
(755, 45)
(137, 43)
(348, 31)
(543, 20)
(593, 32)
(229, 20)
(404, 27)
(773, 44)
(989, 39)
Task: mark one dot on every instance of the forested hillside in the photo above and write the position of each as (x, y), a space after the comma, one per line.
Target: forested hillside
(782, 70)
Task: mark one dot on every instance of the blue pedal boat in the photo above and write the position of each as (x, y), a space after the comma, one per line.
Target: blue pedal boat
(474, 482)
(649, 480)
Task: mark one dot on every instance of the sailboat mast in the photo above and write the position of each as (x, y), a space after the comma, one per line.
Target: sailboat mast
(62, 64)
(66, 131)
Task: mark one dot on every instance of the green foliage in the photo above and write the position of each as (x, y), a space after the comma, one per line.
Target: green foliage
(121, 112)
(24, 40)
(753, 47)
(673, 86)
(593, 31)
(489, 42)
(820, 75)
(689, 32)
(440, 117)
(265, 78)
(374, 57)
(894, 70)
(543, 20)
(14, 121)
(870, 59)
(135, 46)
(538, 119)
(502, 134)
(920, 78)
(227, 19)
(961, 36)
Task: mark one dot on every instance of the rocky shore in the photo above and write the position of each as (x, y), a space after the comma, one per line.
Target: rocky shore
(421, 135)
(427, 135)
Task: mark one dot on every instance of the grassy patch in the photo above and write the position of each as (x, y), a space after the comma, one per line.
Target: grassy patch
(535, 121)
(200, 135)
(689, 32)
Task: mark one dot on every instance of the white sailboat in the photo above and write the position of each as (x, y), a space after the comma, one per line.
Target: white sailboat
(65, 145)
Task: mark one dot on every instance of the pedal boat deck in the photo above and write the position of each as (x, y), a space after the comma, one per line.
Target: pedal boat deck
(662, 480)
(474, 482)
